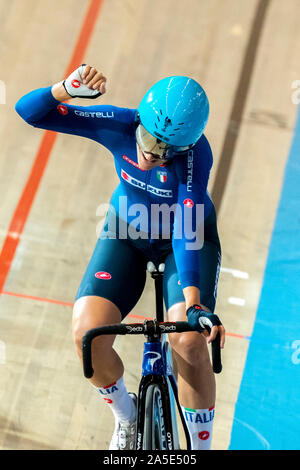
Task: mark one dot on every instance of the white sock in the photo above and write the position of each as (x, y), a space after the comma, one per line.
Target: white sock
(199, 424)
(117, 398)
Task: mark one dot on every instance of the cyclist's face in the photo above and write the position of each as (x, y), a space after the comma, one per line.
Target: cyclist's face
(147, 160)
(151, 151)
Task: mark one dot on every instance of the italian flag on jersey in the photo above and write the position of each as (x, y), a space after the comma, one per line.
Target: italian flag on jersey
(161, 176)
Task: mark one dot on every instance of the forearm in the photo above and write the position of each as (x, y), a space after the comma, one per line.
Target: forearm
(36, 104)
(192, 297)
(44, 110)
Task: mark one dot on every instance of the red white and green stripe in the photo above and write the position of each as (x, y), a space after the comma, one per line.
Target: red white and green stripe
(161, 176)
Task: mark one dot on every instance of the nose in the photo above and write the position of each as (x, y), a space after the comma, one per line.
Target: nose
(149, 157)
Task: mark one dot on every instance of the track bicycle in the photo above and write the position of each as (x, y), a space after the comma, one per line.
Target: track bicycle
(156, 425)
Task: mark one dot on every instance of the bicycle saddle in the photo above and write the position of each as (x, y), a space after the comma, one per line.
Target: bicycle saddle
(151, 268)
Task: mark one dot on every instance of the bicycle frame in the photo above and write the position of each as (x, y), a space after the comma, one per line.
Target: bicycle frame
(158, 370)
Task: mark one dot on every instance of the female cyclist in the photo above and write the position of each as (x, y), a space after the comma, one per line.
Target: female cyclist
(163, 161)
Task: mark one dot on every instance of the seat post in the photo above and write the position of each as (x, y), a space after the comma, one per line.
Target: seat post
(158, 280)
(157, 274)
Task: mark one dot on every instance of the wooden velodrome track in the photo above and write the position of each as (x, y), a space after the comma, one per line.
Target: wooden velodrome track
(246, 55)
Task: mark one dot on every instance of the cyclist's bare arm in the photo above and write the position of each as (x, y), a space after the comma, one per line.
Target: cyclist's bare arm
(192, 296)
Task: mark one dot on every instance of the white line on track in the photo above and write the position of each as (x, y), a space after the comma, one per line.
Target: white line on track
(236, 301)
(236, 273)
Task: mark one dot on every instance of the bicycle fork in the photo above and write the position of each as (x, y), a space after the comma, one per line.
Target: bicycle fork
(154, 372)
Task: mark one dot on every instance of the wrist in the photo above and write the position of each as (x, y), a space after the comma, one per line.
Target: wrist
(195, 306)
(198, 307)
(59, 92)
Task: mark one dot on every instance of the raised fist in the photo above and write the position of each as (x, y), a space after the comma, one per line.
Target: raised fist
(85, 82)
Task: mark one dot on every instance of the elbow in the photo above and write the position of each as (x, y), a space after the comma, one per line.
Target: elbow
(22, 111)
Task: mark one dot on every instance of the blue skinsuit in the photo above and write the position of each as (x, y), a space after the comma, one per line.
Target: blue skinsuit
(182, 182)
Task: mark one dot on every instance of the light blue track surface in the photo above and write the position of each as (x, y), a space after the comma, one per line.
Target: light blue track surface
(267, 413)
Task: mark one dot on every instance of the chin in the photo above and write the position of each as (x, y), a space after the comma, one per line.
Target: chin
(146, 167)
(145, 164)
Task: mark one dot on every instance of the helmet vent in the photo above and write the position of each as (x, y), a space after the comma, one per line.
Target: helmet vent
(160, 136)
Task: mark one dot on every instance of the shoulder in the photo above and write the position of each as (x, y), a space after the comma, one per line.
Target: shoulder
(124, 114)
(203, 153)
(197, 160)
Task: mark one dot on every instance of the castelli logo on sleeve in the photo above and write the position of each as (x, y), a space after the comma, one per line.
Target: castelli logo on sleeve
(62, 109)
(188, 202)
(103, 275)
(75, 83)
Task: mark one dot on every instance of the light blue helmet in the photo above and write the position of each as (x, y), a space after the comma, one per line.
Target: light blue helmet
(175, 110)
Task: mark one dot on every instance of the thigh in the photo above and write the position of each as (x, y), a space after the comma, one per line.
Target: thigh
(116, 272)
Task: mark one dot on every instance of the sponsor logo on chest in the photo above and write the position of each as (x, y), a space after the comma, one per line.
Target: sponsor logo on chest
(131, 180)
(140, 184)
(159, 192)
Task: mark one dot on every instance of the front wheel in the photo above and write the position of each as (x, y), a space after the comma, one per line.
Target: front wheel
(154, 427)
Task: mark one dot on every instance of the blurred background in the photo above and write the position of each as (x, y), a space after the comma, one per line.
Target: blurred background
(245, 54)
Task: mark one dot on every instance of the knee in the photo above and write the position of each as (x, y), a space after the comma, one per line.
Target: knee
(92, 312)
(79, 328)
(101, 346)
(82, 321)
(192, 347)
